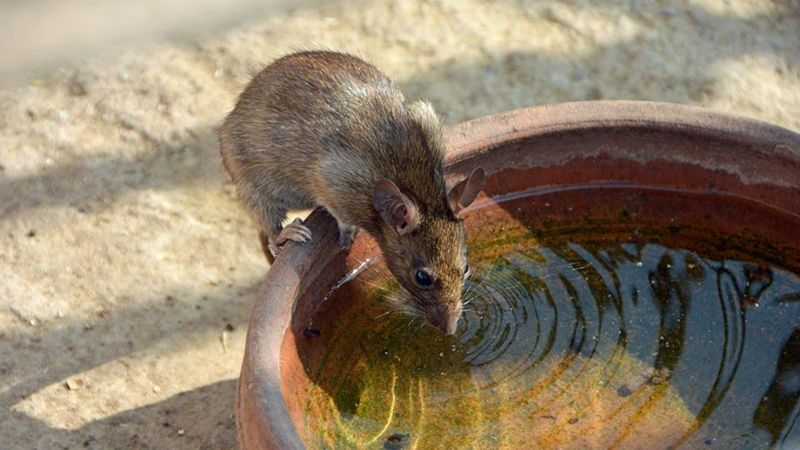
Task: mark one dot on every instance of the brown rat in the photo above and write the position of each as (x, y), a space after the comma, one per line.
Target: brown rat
(324, 128)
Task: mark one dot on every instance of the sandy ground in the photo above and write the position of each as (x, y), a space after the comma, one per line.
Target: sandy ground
(128, 268)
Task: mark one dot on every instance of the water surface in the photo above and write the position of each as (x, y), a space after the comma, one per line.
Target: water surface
(587, 340)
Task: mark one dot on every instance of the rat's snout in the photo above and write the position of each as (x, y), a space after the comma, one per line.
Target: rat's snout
(451, 325)
(446, 322)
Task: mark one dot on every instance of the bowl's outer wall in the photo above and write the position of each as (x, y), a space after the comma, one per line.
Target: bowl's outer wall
(262, 418)
(678, 146)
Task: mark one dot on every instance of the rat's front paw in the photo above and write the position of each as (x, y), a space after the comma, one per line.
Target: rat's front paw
(295, 231)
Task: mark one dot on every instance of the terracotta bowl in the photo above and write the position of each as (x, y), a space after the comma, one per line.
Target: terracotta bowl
(671, 147)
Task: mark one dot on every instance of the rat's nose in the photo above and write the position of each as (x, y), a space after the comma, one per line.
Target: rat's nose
(447, 325)
(450, 329)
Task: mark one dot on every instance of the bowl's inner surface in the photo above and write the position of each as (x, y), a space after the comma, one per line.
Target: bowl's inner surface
(600, 316)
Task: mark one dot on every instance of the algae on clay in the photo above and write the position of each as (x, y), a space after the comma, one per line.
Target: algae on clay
(560, 409)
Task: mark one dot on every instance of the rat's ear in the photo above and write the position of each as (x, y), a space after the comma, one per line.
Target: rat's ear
(395, 208)
(464, 193)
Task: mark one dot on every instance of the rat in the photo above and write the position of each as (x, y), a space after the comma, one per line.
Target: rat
(323, 128)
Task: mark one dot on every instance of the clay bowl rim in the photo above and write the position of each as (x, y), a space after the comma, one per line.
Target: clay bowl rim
(262, 417)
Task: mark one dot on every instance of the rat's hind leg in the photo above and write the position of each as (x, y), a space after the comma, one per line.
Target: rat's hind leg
(264, 239)
(269, 216)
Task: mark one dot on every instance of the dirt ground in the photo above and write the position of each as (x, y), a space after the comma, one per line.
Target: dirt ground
(128, 268)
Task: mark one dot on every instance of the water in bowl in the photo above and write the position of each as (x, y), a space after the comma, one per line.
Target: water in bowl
(577, 333)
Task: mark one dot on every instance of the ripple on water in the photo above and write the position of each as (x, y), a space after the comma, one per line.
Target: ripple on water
(571, 345)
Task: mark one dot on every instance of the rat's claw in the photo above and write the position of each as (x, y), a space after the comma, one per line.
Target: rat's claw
(295, 231)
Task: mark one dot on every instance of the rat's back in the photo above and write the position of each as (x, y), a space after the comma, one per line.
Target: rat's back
(301, 106)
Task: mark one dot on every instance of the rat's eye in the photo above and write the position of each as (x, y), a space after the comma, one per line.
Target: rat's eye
(466, 271)
(423, 278)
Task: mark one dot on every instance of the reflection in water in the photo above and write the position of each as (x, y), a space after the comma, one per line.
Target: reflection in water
(777, 411)
(591, 345)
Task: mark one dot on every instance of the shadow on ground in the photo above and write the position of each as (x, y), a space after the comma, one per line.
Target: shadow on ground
(201, 419)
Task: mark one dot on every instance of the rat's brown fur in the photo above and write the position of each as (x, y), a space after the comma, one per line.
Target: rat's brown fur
(323, 128)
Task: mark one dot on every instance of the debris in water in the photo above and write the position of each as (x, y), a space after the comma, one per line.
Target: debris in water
(312, 332)
(396, 441)
(660, 376)
(649, 375)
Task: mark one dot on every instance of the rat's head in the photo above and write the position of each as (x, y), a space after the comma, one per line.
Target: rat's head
(426, 251)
